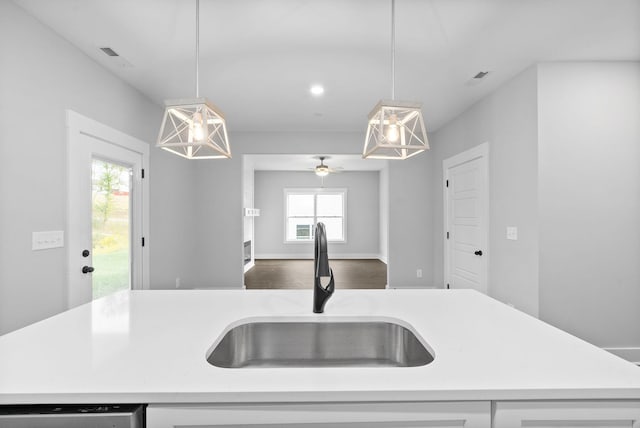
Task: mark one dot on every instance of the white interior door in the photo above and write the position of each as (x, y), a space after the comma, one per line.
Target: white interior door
(107, 211)
(466, 214)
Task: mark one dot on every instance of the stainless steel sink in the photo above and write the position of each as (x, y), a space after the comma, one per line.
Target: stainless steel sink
(319, 344)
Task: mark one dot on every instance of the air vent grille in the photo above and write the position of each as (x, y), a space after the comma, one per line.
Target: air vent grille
(109, 51)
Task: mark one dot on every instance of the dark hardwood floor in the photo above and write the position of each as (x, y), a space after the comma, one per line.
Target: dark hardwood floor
(270, 274)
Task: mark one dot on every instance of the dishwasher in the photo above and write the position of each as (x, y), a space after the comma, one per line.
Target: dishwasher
(73, 416)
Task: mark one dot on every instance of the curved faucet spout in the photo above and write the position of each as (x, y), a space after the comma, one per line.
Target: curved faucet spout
(321, 269)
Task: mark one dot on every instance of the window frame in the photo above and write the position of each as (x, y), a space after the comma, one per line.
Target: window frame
(315, 192)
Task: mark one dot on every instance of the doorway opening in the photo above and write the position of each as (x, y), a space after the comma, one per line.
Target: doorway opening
(285, 195)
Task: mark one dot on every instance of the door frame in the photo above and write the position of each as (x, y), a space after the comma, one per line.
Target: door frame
(78, 128)
(480, 151)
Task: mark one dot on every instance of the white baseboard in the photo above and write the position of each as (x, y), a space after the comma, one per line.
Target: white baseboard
(629, 354)
(349, 256)
(383, 259)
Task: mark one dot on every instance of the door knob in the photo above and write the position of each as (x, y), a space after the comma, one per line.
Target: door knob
(478, 253)
(87, 269)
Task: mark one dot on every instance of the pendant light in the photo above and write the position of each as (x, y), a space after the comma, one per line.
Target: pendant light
(396, 128)
(194, 128)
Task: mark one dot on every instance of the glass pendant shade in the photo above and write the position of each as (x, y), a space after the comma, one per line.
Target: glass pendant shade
(194, 129)
(396, 131)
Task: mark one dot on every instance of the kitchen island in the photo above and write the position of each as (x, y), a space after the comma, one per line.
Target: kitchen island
(492, 363)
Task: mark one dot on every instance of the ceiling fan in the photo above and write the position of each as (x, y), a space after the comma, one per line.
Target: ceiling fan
(323, 170)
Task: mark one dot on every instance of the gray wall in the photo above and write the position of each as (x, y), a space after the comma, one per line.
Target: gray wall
(173, 219)
(589, 163)
(219, 185)
(362, 213)
(248, 171)
(384, 214)
(564, 158)
(220, 225)
(410, 222)
(41, 76)
(507, 120)
(565, 169)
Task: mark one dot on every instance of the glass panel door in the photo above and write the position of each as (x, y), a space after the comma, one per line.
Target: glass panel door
(111, 208)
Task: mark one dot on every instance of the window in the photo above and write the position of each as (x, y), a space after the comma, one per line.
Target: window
(304, 208)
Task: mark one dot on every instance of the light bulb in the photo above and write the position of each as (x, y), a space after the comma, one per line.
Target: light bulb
(197, 128)
(393, 133)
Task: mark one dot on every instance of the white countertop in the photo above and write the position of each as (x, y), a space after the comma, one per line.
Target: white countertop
(150, 346)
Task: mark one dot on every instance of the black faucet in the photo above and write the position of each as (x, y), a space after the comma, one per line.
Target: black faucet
(321, 265)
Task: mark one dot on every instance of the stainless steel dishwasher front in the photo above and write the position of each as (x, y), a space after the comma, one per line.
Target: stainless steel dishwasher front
(73, 416)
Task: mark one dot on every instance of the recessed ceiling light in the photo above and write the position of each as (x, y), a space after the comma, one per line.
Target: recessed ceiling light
(317, 90)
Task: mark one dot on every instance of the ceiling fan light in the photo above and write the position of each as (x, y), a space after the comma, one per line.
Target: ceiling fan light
(194, 129)
(395, 131)
(322, 170)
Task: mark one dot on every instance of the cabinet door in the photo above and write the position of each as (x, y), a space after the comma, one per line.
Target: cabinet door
(566, 414)
(320, 415)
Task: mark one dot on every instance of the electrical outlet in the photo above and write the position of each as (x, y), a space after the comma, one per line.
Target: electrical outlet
(512, 233)
(419, 273)
(177, 282)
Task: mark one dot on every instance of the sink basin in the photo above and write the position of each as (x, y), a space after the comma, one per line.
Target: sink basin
(319, 344)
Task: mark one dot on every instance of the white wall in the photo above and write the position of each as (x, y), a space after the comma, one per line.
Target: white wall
(507, 120)
(589, 166)
(42, 75)
(362, 213)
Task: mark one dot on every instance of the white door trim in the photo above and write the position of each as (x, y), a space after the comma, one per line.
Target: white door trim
(480, 151)
(78, 127)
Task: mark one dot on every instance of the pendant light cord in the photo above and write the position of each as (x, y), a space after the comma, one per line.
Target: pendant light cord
(393, 49)
(197, 48)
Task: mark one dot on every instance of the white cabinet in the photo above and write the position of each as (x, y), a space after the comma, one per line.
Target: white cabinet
(472, 414)
(566, 414)
(463, 414)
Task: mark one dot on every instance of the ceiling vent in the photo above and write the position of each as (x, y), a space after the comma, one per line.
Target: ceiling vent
(109, 51)
(477, 79)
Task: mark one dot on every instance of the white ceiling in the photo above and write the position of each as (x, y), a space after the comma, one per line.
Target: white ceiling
(259, 57)
(284, 162)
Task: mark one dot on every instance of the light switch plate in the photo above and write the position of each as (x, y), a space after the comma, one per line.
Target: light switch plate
(512, 233)
(46, 240)
(252, 212)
